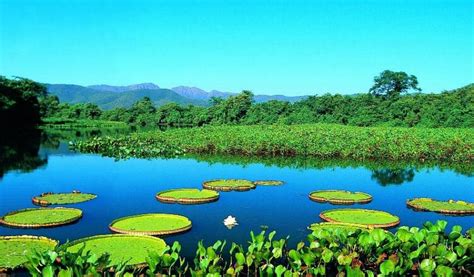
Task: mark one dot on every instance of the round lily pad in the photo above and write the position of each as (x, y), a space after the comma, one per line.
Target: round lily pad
(187, 196)
(151, 224)
(49, 198)
(369, 218)
(41, 217)
(14, 249)
(268, 183)
(340, 196)
(122, 248)
(229, 185)
(445, 207)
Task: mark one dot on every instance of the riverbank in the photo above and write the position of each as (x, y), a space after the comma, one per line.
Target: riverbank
(309, 140)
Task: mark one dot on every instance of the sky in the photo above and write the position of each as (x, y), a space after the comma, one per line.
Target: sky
(289, 47)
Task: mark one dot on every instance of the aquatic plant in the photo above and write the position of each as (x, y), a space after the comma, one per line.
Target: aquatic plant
(151, 224)
(41, 217)
(187, 196)
(445, 207)
(50, 198)
(229, 185)
(370, 218)
(340, 196)
(128, 249)
(268, 183)
(326, 252)
(14, 250)
(340, 226)
(310, 140)
(68, 264)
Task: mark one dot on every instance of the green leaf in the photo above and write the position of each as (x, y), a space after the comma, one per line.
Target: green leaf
(387, 267)
(427, 265)
(279, 270)
(327, 255)
(444, 271)
(47, 271)
(65, 273)
(240, 258)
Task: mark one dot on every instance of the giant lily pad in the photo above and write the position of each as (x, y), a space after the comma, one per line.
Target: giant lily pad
(229, 185)
(268, 183)
(445, 207)
(151, 224)
(49, 198)
(340, 196)
(332, 226)
(122, 248)
(369, 218)
(187, 196)
(14, 249)
(41, 217)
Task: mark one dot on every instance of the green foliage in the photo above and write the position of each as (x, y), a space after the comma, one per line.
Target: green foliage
(24, 102)
(326, 252)
(19, 102)
(448, 109)
(391, 84)
(316, 140)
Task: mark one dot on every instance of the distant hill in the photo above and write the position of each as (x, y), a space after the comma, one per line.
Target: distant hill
(197, 93)
(124, 88)
(109, 97)
(113, 99)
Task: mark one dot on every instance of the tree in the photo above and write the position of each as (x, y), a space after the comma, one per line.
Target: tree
(390, 83)
(19, 102)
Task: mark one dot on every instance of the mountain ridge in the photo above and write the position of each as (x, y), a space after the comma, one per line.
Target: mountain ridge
(109, 97)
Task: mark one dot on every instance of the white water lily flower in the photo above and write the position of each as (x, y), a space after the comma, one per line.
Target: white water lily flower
(230, 222)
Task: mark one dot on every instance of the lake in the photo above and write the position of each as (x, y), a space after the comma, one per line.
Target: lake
(42, 162)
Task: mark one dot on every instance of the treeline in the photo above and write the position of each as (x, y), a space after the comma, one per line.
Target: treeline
(24, 102)
(447, 109)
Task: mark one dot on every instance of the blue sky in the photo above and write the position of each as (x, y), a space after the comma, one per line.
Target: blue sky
(290, 47)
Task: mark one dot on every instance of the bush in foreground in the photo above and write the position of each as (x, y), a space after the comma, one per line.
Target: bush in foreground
(327, 251)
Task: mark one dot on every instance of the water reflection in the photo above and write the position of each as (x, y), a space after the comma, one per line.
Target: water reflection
(25, 151)
(19, 151)
(396, 176)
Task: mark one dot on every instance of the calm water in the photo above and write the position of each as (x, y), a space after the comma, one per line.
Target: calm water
(128, 187)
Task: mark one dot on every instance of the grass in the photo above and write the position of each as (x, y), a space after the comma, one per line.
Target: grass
(189, 193)
(14, 250)
(151, 223)
(450, 206)
(340, 196)
(41, 216)
(361, 216)
(122, 248)
(309, 140)
(64, 198)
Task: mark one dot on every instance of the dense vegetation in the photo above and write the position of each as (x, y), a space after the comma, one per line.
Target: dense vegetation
(23, 101)
(314, 140)
(20, 102)
(327, 251)
(448, 109)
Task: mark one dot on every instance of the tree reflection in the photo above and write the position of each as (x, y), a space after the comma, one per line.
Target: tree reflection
(19, 151)
(398, 176)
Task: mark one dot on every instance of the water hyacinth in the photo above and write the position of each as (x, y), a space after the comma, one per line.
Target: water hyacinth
(310, 140)
(326, 252)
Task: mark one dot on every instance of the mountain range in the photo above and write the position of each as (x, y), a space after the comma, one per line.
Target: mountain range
(109, 97)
